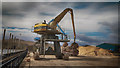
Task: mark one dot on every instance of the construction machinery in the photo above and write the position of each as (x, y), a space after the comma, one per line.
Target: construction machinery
(50, 33)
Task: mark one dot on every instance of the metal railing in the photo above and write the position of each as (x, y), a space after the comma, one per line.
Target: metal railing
(10, 54)
(13, 60)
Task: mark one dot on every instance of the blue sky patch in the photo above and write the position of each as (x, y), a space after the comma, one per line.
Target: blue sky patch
(14, 28)
(101, 34)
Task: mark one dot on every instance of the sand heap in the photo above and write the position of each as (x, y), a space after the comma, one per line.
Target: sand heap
(93, 51)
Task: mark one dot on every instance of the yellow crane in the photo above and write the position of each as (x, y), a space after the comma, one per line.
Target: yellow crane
(48, 32)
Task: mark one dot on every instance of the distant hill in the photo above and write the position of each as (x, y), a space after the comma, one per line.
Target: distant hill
(16, 44)
(109, 46)
(29, 43)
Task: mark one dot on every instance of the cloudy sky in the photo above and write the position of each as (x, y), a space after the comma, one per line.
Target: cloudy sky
(95, 22)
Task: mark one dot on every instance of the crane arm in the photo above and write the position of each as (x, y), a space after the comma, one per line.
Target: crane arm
(57, 19)
(61, 29)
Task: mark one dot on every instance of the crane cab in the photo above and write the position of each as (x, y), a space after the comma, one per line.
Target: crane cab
(43, 28)
(40, 27)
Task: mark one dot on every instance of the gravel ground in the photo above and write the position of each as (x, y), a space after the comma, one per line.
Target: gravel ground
(50, 60)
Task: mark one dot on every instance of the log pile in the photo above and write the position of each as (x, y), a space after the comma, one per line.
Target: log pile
(72, 50)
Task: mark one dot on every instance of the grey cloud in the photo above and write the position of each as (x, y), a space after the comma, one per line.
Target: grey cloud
(113, 30)
(17, 8)
(46, 14)
(113, 27)
(88, 40)
(32, 13)
(85, 38)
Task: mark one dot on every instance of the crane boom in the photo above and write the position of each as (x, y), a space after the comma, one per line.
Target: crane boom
(57, 19)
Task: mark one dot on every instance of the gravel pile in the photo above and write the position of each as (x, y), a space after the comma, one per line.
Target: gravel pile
(93, 51)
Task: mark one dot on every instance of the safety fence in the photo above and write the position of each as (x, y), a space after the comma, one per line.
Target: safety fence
(13, 60)
(12, 43)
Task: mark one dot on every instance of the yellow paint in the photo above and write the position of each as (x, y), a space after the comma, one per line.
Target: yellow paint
(41, 25)
(36, 30)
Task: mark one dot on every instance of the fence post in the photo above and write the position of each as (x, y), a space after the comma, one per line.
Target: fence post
(15, 44)
(9, 44)
(3, 41)
(20, 42)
